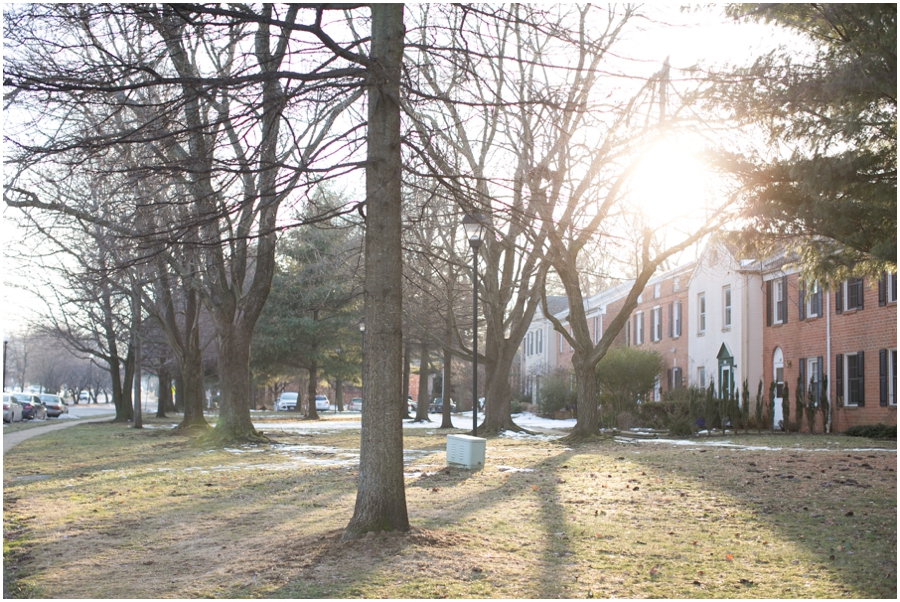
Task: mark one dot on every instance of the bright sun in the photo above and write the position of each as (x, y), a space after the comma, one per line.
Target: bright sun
(671, 185)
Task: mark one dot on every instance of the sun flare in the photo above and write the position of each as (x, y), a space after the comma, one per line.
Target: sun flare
(671, 184)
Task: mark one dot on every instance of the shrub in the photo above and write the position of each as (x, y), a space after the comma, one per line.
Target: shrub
(877, 431)
(556, 392)
(625, 375)
(759, 408)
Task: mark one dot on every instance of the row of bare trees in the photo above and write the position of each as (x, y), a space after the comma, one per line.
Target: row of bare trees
(164, 149)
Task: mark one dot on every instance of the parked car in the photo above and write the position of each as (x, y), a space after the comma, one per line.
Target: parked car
(12, 409)
(54, 404)
(322, 403)
(84, 397)
(355, 405)
(31, 406)
(437, 405)
(287, 401)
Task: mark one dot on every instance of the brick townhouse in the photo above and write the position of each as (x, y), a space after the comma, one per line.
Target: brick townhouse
(658, 323)
(724, 319)
(847, 332)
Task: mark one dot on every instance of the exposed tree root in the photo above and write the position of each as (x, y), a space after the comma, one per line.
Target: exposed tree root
(218, 438)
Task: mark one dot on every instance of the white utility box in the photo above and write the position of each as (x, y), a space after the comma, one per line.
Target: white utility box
(465, 451)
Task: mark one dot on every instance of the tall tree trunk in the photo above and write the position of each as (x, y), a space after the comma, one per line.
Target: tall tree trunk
(190, 389)
(404, 384)
(424, 397)
(311, 412)
(381, 493)
(234, 385)
(588, 416)
(126, 411)
(136, 338)
(164, 399)
(498, 360)
(339, 394)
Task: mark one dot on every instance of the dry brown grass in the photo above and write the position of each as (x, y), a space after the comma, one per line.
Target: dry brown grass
(125, 514)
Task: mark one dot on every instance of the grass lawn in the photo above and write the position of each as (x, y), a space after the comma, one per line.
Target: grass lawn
(104, 511)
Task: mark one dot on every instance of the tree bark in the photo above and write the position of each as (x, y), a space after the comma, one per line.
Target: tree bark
(381, 494)
(312, 412)
(234, 384)
(164, 399)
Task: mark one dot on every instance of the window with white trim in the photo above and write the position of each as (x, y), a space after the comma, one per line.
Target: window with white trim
(656, 324)
(701, 377)
(854, 376)
(814, 300)
(891, 288)
(540, 341)
(657, 389)
(656, 291)
(598, 329)
(701, 313)
(726, 307)
(639, 328)
(560, 337)
(778, 304)
(853, 293)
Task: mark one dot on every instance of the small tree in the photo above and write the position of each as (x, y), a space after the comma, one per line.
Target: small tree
(759, 408)
(710, 408)
(823, 404)
(624, 376)
(772, 389)
(785, 408)
(745, 405)
(800, 398)
(811, 407)
(556, 392)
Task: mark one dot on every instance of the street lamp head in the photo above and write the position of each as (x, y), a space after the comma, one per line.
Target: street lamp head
(362, 324)
(474, 225)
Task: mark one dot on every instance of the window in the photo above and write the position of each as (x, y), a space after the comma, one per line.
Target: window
(674, 319)
(674, 378)
(778, 299)
(656, 290)
(639, 328)
(811, 377)
(849, 377)
(640, 298)
(598, 328)
(657, 389)
(849, 296)
(811, 301)
(701, 377)
(656, 324)
(675, 283)
(887, 288)
(701, 313)
(726, 307)
(540, 341)
(529, 346)
(887, 377)
(560, 337)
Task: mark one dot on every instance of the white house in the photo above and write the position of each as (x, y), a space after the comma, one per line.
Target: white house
(725, 311)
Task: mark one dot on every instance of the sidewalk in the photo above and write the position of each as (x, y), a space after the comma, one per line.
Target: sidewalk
(9, 440)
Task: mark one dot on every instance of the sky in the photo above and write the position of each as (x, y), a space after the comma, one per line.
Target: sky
(684, 37)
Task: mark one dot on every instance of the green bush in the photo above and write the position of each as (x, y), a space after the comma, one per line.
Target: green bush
(877, 431)
(556, 392)
(624, 376)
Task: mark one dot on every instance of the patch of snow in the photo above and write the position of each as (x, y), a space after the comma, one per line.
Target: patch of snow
(513, 469)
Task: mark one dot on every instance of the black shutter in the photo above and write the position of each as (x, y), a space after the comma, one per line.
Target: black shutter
(669, 379)
(671, 320)
(882, 290)
(784, 298)
(882, 377)
(678, 329)
(802, 378)
(839, 298)
(839, 377)
(768, 303)
(801, 311)
(860, 370)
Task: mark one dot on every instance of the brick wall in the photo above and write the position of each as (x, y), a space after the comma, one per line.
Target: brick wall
(868, 330)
